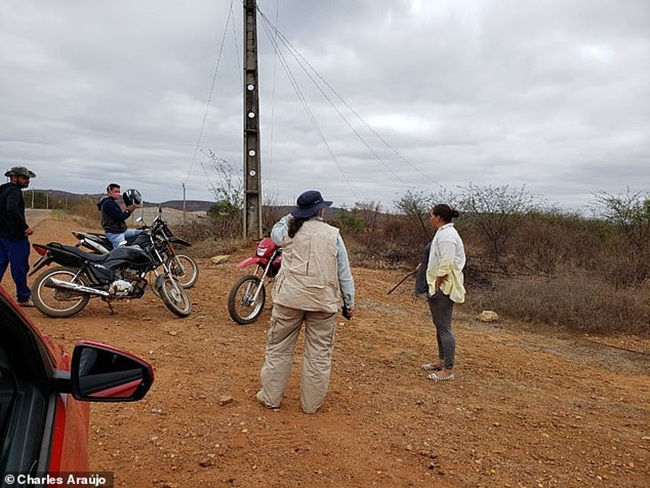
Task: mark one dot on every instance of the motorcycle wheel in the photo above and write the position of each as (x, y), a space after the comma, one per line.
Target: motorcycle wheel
(241, 306)
(152, 279)
(184, 269)
(55, 302)
(175, 298)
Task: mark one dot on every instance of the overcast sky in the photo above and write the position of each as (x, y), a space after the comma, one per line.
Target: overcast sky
(420, 95)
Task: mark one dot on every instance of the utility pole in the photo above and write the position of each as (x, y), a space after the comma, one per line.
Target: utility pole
(252, 163)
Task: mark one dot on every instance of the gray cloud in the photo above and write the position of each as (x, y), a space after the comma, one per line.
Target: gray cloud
(552, 95)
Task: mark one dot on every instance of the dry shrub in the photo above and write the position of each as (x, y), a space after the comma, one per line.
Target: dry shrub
(543, 244)
(212, 236)
(83, 211)
(556, 269)
(553, 244)
(577, 301)
(208, 228)
(383, 241)
(625, 268)
(271, 214)
(214, 247)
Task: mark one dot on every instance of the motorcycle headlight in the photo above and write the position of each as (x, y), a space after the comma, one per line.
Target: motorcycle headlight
(261, 251)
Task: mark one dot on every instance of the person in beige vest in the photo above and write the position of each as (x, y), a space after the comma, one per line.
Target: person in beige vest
(313, 282)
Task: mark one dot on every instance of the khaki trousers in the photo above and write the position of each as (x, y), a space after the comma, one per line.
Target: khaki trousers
(320, 335)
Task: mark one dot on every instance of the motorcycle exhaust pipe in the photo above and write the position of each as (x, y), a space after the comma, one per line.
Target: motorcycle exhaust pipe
(66, 285)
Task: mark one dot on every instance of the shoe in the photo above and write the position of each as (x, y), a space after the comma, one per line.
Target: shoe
(433, 366)
(440, 377)
(258, 395)
(27, 303)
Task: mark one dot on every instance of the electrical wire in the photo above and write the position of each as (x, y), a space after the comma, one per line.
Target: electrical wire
(308, 110)
(207, 105)
(304, 64)
(275, 66)
(280, 45)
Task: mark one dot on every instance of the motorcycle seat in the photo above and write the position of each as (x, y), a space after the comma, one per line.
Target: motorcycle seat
(75, 250)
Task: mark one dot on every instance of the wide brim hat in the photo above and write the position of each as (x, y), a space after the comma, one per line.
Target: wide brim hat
(308, 204)
(20, 171)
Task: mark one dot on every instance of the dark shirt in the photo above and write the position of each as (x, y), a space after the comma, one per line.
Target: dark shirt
(421, 285)
(113, 217)
(12, 212)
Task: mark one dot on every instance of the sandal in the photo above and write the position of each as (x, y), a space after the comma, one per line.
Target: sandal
(433, 366)
(439, 377)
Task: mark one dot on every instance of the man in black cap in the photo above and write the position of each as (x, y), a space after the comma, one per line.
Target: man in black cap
(314, 280)
(14, 232)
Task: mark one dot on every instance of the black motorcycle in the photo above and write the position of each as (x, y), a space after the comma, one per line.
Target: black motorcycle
(183, 267)
(65, 290)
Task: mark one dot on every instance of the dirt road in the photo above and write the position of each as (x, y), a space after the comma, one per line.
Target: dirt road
(35, 216)
(530, 407)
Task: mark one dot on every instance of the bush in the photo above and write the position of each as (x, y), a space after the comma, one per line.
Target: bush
(542, 266)
(85, 212)
(577, 301)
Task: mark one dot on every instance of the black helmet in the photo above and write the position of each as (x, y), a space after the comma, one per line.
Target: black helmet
(131, 197)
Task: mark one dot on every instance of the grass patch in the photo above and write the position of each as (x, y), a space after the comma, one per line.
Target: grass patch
(580, 303)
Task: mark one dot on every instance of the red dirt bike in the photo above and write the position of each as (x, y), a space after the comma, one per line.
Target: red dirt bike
(248, 295)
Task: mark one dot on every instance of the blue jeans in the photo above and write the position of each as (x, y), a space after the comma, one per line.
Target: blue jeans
(16, 253)
(120, 239)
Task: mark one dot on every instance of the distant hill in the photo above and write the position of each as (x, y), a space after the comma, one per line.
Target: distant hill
(190, 205)
(59, 199)
(54, 198)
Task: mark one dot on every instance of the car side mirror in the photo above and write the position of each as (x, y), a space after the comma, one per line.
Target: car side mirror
(101, 373)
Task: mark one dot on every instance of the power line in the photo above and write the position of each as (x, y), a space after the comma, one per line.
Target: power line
(304, 64)
(281, 44)
(306, 107)
(207, 105)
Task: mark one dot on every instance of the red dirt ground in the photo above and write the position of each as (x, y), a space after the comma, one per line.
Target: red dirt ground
(531, 406)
